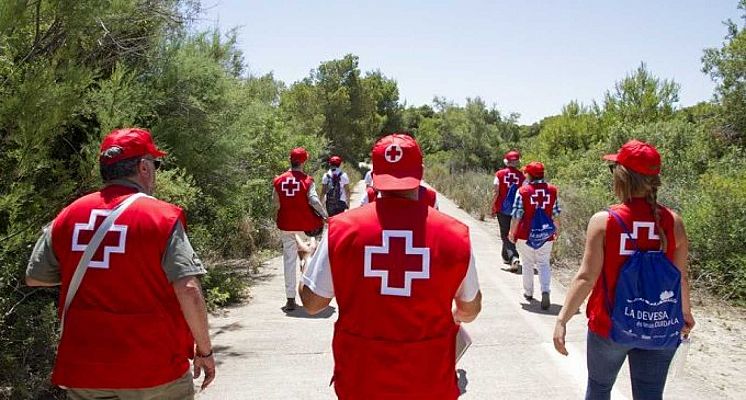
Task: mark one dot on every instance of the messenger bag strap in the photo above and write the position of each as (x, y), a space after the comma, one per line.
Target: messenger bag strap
(90, 250)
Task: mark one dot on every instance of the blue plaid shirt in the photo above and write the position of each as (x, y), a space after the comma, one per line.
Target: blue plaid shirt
(517, 212)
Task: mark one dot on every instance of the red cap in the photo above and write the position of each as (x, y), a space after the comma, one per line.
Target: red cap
(513, 155)
(335, 161)
(397, 163)
(298, 154)
(121, 144)
(639, 157)
(535, 169)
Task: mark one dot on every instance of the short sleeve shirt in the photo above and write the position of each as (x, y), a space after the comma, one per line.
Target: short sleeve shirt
(318, 275)
(344, 180)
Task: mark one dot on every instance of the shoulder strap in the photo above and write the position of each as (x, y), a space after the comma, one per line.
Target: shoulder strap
(90, 250)
(621, 223)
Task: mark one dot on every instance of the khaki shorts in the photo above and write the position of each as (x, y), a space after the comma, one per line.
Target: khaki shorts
(180, 389)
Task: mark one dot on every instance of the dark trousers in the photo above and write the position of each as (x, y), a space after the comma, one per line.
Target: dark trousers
(509, 251)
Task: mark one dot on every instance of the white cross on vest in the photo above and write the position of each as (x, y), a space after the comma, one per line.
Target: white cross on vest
(636, 227)
(540, 198)
(290, 186)
(83, 233)
(397, 264)
(511, 179)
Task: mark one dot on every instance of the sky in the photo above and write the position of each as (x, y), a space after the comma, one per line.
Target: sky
(525, 56)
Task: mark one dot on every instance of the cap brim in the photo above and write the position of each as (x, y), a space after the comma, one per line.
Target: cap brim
(391, 182)
(610, 157)
(157, 153)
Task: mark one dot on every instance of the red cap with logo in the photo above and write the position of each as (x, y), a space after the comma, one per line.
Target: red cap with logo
(298, 154)
(122, 144)
(335, 161)
(513, 155)
(397, 163)
(638, 156)
(535, 169)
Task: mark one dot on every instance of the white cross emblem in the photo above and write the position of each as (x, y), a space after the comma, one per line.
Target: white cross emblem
(393, 153)
(290, 186)
(421, 271)
(540, 198)
(511, 179)
(91, 226)
(636, 226)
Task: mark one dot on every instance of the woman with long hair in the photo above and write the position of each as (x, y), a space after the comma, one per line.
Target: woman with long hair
(635, 169)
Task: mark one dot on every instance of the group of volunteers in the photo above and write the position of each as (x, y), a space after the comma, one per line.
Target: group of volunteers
(527, 210)
(402, 272)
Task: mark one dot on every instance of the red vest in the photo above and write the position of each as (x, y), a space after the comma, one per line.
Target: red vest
(426, 195)
(506, 178)
(396, 266)
(638, 216)
(295, 214)
(535, 196)
(124, 328)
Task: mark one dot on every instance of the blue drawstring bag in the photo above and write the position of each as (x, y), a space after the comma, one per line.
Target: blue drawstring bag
(507, 206)
(646, 312)
(542, 228)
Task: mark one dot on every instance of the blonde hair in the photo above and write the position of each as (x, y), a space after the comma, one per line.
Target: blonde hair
(629, 184)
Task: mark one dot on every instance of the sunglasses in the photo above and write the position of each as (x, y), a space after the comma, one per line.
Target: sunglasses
(612, 167)
(156, 163)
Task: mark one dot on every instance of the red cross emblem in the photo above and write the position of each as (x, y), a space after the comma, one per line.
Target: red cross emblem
(290, 186)
(636, 227)
(397, 262)
(540, 198)
(511, 179)
(393, 153)
(113, 241)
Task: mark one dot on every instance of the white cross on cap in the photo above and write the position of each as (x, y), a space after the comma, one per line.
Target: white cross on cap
(393, 153)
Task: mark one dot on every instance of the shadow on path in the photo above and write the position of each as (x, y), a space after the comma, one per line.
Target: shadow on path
(535, 307)
(300, 312)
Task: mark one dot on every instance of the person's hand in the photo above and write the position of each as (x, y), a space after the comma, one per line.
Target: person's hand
(206, 364)
(511, 237)
(559, 338)
(688, 323)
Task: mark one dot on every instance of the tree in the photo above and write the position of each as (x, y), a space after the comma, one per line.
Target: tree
(640, 97)
(727, 67)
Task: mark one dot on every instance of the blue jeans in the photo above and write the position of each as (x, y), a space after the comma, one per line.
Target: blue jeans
(647, 368)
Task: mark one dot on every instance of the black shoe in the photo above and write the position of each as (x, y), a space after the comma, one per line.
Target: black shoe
(528, 298)
(290, 305)
(545, 300)
(515, 266)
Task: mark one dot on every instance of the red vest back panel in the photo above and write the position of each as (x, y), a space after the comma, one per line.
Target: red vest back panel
(396, 266)
(124, 328)
(295, 214)
(638, 216)
(506, 178)
(535, 196)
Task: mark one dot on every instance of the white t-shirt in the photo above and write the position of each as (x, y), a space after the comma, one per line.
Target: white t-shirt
(344, 180)
(368, 178)
(318, 275)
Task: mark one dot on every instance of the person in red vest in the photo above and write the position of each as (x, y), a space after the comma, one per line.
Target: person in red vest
(131, 326)
(505, 179)
(299, 211)
(635, 172)
(396, 266)
(536, 195)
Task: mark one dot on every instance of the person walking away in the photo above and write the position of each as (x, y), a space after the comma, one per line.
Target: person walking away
(298, 211)
(620, 241)
(131, 305)
(507, 181)
(533, 228)
(396, 266)
(336, 188)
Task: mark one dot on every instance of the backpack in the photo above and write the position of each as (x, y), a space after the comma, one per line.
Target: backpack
(507, 205)
(646, 312)
(542, 228)
(334, 203)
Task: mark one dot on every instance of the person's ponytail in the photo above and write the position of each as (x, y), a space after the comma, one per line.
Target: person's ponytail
(652, 199)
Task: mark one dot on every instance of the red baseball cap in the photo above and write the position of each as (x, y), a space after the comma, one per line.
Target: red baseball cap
(397, 163)
(122, 144)
(298, 154)
(535, 169)
(637, 156)
(335, 161)
(513, 155)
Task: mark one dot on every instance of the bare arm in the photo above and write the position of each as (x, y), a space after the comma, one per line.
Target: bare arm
(513, 228)
(189, 293)
(35, 282)
(312, 302)
(467, 311)
(275, 201)
(681, 260)
(585, 279)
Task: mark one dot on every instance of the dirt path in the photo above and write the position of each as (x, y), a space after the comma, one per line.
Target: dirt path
(265, 354)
